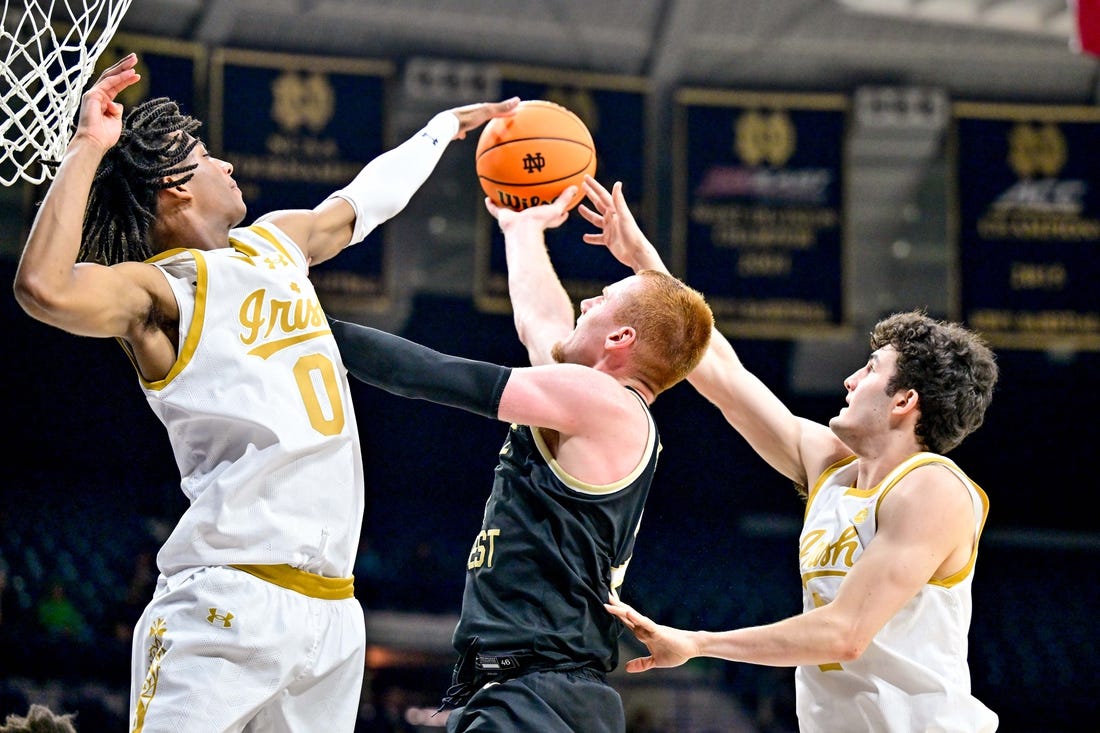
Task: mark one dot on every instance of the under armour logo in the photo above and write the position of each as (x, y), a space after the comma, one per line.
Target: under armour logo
(224, 618)
(273, 261)
(533, 163)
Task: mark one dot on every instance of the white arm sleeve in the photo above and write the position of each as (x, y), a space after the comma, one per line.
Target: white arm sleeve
(386, 184)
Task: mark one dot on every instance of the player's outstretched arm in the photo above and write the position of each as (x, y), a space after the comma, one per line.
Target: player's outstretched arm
(541, 308)
(618, 230)
(384, 187)
(557, 396)
(412, 370)
(747, 404)
(926, 530)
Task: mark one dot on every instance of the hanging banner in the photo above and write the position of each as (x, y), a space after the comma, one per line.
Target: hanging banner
(168, 68)
(1027, 192)
(758, 209)
(613, 108)
(295, 129)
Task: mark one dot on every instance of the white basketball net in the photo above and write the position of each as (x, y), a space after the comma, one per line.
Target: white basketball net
(42, 77)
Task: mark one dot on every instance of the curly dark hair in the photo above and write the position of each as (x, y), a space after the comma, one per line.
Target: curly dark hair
(949, 366)
(156, 138)
(40, 719)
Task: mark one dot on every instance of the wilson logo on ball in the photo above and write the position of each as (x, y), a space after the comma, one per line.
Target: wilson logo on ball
(529, 158)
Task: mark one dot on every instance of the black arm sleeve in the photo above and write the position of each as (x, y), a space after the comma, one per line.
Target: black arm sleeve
(408, 369)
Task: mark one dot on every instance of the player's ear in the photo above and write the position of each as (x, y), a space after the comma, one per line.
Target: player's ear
(180, 192)
(173, 198)
(906, 400)
(621, 337)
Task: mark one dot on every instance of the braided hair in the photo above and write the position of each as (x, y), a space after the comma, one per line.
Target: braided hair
(156, 138)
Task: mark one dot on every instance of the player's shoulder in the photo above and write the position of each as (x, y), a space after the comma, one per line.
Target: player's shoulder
(142, 274)
(930, 478)
(267, 235)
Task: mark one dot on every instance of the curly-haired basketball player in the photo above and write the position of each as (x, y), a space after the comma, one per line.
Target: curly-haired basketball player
(890, 533)
(253, 625)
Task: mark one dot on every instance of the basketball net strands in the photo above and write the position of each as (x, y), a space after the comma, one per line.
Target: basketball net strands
(49, 50)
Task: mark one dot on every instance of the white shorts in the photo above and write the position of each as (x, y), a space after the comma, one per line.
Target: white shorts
(221, 650)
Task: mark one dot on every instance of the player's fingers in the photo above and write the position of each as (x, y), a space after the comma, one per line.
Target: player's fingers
(641, 664)
(506, 107)
(565, 197)
(596, 192)
(617, 611)
(493, 208)
(128, 61)
(114, 84)
(590, 216)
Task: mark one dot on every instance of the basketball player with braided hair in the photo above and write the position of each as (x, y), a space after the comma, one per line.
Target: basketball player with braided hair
(890, 531)
(253, 625)
(151, 155)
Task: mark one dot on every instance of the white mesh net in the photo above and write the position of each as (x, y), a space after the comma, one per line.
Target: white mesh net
(49, 52)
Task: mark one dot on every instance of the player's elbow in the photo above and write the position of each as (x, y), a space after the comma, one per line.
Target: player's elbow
(848, 650)
(848, 642)
(33, 294)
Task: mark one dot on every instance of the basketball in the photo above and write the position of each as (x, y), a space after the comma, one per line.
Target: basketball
(531, 157)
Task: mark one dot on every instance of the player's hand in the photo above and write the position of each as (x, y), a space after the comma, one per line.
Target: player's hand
(668, 647)
(619, 232)
(473, 116)
(100, 117)
(544, 216)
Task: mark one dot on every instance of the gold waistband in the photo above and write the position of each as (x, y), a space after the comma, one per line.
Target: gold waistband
(308, 584)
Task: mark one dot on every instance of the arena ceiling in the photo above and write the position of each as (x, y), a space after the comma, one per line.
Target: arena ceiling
(1017, 50)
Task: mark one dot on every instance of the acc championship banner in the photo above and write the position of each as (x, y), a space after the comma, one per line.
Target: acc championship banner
(1028, 223)
(295, 129)
(613, 108)
(758, 208)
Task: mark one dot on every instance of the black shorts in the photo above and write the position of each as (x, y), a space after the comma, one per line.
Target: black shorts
(547, 701)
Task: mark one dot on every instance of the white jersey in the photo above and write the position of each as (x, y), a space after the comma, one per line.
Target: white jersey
(913, 677)
(259, 413)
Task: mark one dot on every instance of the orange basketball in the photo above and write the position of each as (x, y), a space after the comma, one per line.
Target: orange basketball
(530, 158)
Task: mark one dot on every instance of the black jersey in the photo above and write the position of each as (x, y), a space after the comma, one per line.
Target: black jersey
(550, 550)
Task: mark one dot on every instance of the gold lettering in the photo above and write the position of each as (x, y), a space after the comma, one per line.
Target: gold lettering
(734, 226)
(815, 551)
(1038, 226)
(262, 317)
(1039, 322)
(1038, 276)
(763, 264)
(251, 316)
(846, 546)
(812, 547)
(481, 554)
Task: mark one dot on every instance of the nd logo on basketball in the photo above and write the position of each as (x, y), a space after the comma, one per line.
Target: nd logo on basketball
(534, 163)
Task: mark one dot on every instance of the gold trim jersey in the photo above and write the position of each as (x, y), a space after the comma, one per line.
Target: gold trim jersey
(913, 676)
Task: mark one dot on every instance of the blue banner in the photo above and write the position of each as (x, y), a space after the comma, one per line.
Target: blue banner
(759, 209)
(1027, 181)
(295, 129)
(168, 68)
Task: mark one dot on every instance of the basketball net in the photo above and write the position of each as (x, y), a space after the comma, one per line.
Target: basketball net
(42, 77)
